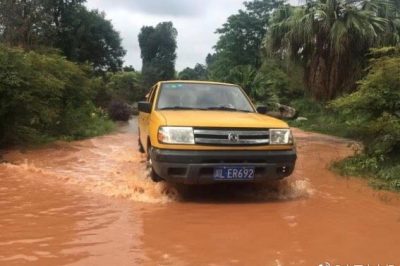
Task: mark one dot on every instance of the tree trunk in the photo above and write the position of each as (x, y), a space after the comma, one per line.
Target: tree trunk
(317, 77)
(334, 82)
(325, 75)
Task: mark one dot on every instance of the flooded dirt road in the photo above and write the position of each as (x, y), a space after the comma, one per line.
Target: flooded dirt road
(91, 203)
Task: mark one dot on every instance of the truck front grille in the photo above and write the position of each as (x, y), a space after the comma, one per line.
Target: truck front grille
(243, 137)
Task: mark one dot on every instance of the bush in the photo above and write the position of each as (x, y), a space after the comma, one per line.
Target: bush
(119, 111)
(375, 107)
(374, 110)
(255, 84)
(44, 96)
(125, 86)
(117, 91)
(285, 83)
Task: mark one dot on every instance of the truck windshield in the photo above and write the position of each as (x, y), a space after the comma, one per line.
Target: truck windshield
(202, 96)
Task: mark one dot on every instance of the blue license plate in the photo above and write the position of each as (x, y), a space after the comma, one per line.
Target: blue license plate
(234, 173)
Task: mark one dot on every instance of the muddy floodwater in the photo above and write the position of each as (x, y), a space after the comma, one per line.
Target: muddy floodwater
(91, 203)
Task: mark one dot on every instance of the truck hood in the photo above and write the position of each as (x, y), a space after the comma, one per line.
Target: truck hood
(199, 118)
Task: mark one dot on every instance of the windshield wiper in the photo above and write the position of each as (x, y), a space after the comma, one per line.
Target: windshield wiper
(226, 108)
(222, 108)
(178, 108)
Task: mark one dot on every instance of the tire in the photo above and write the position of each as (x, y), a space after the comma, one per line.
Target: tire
(141, 149)
(153, 175)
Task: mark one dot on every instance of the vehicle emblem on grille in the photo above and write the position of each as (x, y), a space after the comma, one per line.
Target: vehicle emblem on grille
(233, 137)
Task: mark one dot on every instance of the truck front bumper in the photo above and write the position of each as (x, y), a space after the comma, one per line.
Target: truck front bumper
(197, 167)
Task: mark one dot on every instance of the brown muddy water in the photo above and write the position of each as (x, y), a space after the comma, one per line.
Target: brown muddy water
(91, 203)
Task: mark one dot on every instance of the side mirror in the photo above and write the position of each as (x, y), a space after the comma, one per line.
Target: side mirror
(144, 107)
(262, 109)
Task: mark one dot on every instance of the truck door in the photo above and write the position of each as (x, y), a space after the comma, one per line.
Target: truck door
(145, 117)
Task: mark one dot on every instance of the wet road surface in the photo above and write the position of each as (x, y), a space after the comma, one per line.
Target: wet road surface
(91, 203)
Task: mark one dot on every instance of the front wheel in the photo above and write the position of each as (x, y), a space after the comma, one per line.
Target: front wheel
(141, 149)
(153, 175)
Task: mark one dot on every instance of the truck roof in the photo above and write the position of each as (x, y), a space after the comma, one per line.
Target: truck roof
(198, 81)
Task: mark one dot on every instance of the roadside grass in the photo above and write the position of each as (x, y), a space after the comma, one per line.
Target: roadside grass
(380, 172)
(383, 174)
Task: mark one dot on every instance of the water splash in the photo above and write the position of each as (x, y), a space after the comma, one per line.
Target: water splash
(289, 189)
(137, 187)
(112, 166)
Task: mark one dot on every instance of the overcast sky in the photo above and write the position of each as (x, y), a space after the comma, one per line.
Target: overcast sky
(195, 20)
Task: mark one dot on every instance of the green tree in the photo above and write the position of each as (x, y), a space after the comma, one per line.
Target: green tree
(373, 113)
(86, 36)
(241, 38)
(129, 68)
(125, 86)
(330, 38)
(282, 79)
(199, 72)
(246, 77)
(158, 52)
(82, 35)
(25, 23)
(374, 109)
(44, 96)
(255, 84)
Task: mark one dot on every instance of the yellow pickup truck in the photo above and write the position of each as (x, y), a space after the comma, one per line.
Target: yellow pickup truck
(200, 132)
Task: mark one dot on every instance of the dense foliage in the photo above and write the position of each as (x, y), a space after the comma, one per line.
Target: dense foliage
(241, 38)
(158, 52)
(64, 76)
(121, 90)
(330, 39)
(199, 72)
(317, 52)
(125, 86)
(317, 48)
(119, 110)
(374, 109)
(67, 25)
(238, 56)
(45, 96)
(86, 36)
(371, 114)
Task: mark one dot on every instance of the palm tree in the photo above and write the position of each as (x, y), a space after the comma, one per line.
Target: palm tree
(246, 77)
(254, 83)
(330, 38)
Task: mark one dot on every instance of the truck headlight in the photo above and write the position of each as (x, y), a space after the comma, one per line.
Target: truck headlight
(280, 136)
(176, 135)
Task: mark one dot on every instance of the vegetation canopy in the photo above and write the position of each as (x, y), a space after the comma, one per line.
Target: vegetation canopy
(82, 35)
(45, 96)
(330, 39)
(158, 52)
